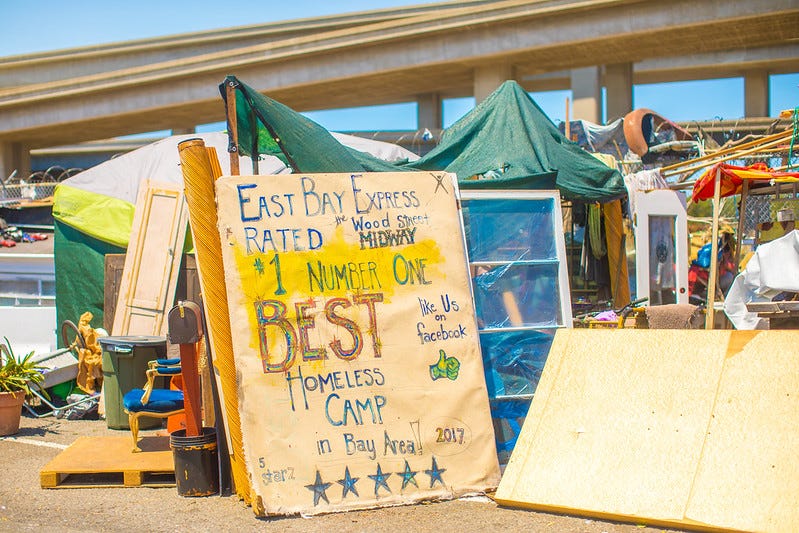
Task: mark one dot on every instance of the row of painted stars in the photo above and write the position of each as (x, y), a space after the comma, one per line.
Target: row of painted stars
(408, 476)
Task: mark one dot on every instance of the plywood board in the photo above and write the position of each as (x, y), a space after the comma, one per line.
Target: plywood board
(354, 335)
(152, 261)
(648, 426)
(749, 474)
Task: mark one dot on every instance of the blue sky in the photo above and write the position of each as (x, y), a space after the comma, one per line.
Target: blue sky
(42, 25)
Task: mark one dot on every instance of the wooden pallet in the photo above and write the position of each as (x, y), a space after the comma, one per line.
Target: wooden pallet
(93, 462)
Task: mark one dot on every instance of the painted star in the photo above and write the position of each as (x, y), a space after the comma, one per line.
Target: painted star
(380, 479)
(408, 476)
(259, 266)
(319, 489)
(348, 483)
(435, 473)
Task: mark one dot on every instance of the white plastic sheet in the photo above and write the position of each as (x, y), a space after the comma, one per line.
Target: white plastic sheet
(773, 269)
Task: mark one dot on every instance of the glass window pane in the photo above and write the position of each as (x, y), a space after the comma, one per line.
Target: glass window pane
(509, 230)
(662, 260)
(29, 287)
(48, 288)
(517, 295)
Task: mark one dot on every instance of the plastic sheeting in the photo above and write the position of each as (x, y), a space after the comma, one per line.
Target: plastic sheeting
(773, 269)
(601, 138)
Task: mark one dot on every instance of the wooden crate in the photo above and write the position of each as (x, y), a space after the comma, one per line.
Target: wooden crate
(188, 287)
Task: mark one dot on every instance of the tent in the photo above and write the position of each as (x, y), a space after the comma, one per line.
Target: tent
(507, 141)
(93, 211)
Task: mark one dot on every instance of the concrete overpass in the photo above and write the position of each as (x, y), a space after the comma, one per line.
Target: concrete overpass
(423, 54)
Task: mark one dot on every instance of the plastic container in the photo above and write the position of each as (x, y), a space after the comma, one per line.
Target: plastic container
(124, 369)
(196, 462)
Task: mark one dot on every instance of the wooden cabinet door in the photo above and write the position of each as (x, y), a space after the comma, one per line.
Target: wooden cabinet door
(153, 260)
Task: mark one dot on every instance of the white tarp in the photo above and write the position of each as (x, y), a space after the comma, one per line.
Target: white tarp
(120, 177)
(773, 269)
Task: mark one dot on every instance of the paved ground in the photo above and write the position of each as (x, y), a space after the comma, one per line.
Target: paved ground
(24, 506)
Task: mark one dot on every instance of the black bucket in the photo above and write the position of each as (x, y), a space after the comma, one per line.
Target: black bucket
(196, 462)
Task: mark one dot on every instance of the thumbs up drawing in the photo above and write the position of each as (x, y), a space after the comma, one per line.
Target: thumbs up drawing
(446, 367)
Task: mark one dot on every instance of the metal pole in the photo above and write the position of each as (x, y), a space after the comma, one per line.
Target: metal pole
(233, 150)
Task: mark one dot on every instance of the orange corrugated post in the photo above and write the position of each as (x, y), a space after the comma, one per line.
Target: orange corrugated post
(199, 177)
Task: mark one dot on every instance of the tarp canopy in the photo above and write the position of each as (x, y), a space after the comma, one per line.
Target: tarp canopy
(507, 141)
(732, 178)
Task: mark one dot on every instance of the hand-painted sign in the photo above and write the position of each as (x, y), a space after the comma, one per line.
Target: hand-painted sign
(360, 375)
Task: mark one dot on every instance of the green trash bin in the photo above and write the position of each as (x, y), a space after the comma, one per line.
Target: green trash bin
(124, 369)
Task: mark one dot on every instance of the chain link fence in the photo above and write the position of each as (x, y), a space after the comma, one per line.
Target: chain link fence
(764, 208)
(38, 186)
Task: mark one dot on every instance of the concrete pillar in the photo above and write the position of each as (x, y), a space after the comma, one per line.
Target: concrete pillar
(6, 166)
(14, 156)
(756, 94)
(586, 94)
(488, 78)
(619, 86)
(428, 112)
(184, 131)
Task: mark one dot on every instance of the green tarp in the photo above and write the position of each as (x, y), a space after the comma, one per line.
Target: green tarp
(507, 142)
(80, 274)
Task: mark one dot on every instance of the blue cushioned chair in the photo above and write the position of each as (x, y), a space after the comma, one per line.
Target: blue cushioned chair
(149, 401)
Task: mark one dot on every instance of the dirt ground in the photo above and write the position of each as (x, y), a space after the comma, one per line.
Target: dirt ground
(25, 506)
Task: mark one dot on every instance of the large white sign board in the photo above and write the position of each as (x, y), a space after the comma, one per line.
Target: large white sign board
(356, 348)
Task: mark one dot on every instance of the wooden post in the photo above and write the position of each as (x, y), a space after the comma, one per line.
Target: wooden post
(233, 150)
(567, 127)
(714, 250)
(741, 215)
(191, 390)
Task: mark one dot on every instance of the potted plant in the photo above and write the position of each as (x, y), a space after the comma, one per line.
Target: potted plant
(17, 374)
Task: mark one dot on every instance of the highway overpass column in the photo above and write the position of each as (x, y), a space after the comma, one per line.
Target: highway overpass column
(756, 94)
(488, 78)
(428, 111)
(619, 85)
(586, 94)
(14, 156)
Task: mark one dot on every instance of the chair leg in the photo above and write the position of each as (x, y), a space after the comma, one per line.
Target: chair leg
(133, 421)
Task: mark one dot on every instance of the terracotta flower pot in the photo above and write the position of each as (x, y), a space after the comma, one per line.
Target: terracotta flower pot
(10, 411)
